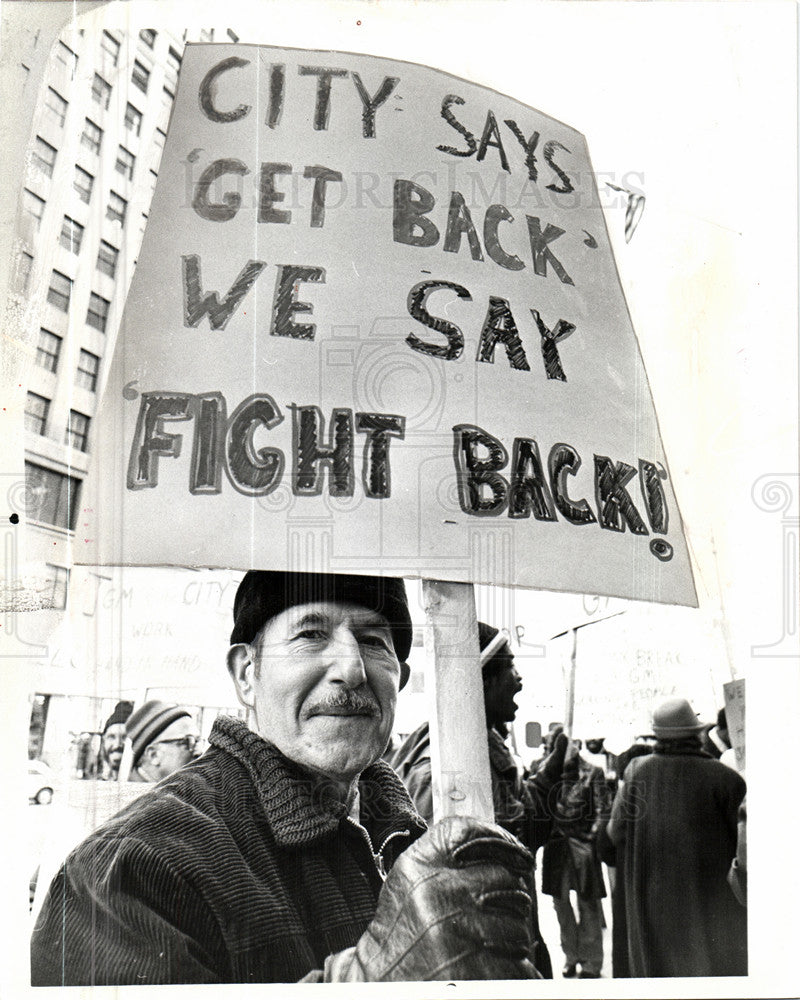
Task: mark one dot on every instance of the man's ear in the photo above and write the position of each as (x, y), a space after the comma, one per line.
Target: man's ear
(241, 667)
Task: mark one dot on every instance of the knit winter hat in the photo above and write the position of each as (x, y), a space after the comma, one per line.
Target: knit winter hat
(492, 643)
(263, 594)
(674, 719)
(148, 722)
(120, 714)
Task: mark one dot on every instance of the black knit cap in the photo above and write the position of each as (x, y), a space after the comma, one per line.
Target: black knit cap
(120, 715)
(262, 594)
(485, 634)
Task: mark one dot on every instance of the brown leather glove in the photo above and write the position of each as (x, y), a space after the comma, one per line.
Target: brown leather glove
(456, 905)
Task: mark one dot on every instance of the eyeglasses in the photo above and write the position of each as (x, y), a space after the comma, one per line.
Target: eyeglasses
(187, 742)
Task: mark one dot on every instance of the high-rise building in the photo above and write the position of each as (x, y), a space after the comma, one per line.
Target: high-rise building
(97, 104)
(97, 135)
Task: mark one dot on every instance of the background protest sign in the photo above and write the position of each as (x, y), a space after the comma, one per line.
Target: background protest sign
(376, 325)
(735, 717)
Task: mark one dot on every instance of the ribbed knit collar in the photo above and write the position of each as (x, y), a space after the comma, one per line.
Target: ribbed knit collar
(296, 806)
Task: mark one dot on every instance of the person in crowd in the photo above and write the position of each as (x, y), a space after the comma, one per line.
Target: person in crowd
(737, 875)
(289, 850)
(674, 823)
(716, 739)
(163, 737)
(608, 854)
(87, 748)
(520, 801)
(112, 740)
(570, 862)
(596, 753)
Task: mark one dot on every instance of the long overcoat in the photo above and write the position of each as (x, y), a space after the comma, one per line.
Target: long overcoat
(674, 822)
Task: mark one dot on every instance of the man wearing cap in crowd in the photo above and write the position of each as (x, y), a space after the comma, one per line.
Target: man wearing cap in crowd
(521, 802)
(112, 740)
(570, 862)
(163, 738)
(290, 850)
(674, 823)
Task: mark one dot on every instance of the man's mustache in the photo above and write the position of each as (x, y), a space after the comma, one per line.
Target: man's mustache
(345, 702)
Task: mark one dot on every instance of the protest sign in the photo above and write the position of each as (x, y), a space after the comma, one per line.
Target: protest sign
(376, 326)
(735, 717)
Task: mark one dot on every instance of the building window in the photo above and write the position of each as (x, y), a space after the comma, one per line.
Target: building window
(24, 268)
(117, 207)
(71, 235)
(133, 119)
(148, 36)
(55, 496)
(97, 315)
(36, 410)
(125, 162)
(107, 257)
(101, 91)
(60, 290)
(60, 577)
(160, 138)
(110, 45)
(83, 184)
(48, 350)
(167, 97)
(77, 433)
(140, 77)
(88, 370)
(92, 136)
(56, 106)
(173, 66)
(44, 156)
(65, 55)
(153, 179)
(33, 205)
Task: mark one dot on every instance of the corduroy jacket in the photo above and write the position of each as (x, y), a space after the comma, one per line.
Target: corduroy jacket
(235, 869)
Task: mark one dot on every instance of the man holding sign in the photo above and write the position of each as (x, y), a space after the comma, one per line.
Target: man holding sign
(376, 326)
(265, 860)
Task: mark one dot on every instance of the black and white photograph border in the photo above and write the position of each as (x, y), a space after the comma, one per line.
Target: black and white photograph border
(690, 115)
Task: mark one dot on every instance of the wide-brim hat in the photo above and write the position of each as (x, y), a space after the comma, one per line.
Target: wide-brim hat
(675, 718)
(263, 594)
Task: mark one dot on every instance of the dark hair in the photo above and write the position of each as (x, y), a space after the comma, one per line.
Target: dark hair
(683, 744)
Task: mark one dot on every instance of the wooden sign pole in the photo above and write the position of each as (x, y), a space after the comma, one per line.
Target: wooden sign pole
(462, 784)
(569, 713)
